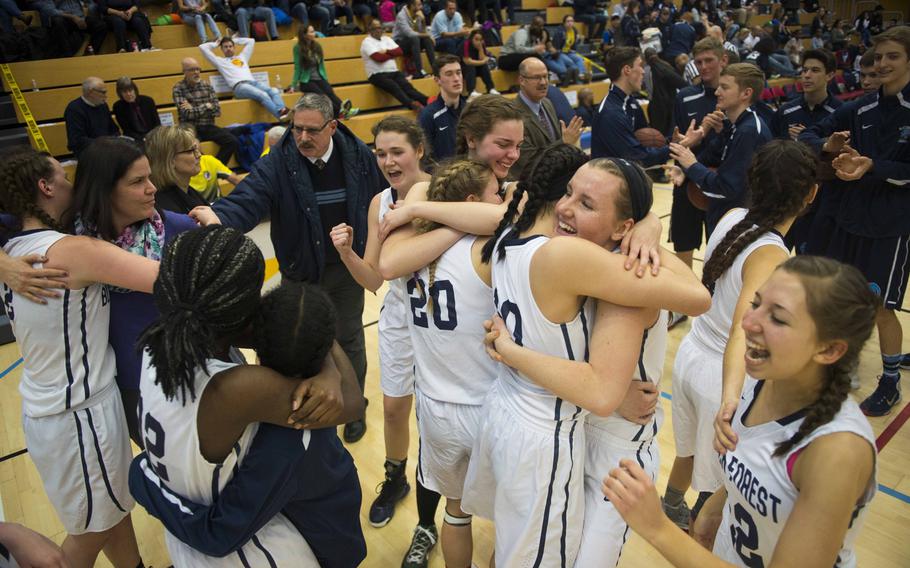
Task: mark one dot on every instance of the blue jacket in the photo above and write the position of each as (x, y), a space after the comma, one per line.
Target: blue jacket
(631, 32)
(439, 123)
(878, 204)
(731, 153)
(613, 132)
(694, 103)
(682, 38)
(279, 186)
(797, 111)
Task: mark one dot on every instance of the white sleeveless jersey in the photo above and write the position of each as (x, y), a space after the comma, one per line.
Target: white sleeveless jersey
(172, 446)
(396, 293)
(64, 343)
(450, 363)
(650, 368)
(760, 494)
(712, 328)
(529, 327)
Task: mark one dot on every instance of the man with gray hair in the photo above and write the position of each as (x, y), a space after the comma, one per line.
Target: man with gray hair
(317, 176)
(88, 117)
(197, 104)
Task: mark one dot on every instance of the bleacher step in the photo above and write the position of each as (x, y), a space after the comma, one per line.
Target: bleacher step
(13, 137)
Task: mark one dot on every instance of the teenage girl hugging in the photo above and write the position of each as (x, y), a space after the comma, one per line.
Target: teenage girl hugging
(709, 371)
(201, 407)
(803, 471)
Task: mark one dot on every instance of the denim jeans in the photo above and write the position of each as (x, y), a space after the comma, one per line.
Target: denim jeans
(269, 97)
(260, 13)
(200, 21)
(8, 11)
(781, 65)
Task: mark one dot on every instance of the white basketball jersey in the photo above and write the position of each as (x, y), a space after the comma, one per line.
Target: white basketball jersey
(172, 446)
(650, 368)
(712, 328)
(450, 363)
(64, 343)
(760, 494)
(529, 327)
(396, 294)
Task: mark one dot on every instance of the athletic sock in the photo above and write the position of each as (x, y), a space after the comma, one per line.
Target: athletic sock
(673, 497)
(699, 503)
(427, 502)
(395, 468)
(891, 366)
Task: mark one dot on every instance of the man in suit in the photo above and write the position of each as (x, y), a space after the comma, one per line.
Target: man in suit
(542, 127)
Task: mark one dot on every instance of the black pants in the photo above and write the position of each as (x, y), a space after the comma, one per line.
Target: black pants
(227, 142)
(398, 86)
(130, 400)
(347, 295)
(471, 72)
(511, 61)
(412, 46)
(320, 86)
(137, 23)
(65, 36)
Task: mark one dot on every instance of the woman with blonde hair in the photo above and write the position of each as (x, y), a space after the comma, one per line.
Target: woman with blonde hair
(174, 154)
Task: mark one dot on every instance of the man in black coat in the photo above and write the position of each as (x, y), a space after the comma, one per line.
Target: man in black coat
(88, 117)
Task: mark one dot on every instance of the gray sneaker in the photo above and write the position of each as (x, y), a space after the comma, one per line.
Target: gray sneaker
(679, 515)
(423, 542)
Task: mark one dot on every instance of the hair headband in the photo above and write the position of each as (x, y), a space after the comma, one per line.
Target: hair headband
(640, 193)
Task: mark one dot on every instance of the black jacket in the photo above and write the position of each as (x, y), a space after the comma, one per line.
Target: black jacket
(134, 125)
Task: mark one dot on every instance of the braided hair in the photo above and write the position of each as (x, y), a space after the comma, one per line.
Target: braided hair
(21, 169)
(479, 117)
(781, 176)
(452, 182)
(294, 328)
(843, 307)
(545, 183)
(207, 288)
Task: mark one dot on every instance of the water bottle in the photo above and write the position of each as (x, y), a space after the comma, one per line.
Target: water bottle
(89, 50)
(34, 85)
(134, 46)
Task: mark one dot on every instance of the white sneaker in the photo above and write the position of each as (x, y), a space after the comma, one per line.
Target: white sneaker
(493, 92)
(473, 95)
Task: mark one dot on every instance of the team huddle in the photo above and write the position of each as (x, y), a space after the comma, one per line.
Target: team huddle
(527, 323)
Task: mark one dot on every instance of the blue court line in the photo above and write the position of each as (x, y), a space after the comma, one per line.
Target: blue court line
(886, 490)
(11, 367)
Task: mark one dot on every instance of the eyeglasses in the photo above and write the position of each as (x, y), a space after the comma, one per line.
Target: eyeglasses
(195, 150)
(538, 78)
(298, 130)
(193, 69)
(99, 91)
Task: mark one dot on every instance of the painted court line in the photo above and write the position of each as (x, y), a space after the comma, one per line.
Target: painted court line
(11, 367)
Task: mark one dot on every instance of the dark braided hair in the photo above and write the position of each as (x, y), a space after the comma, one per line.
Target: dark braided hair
(545, 183)
(843, 307)
(294, 329)
(21, 169)
(781, 176)
(207, 288)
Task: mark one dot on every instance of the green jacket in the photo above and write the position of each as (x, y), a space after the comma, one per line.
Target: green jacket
(303, 75)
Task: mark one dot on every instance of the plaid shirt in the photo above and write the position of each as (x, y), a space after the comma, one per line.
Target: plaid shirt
(202, 97)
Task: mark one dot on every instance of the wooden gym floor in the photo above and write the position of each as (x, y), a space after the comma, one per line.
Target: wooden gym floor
(883, 543)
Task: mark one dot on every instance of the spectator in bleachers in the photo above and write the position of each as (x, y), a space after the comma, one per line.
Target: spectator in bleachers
(387, 15)
(196, 13)
(366, 10)
(198, 106)
(174, 154)
(586, 12)
(631, 31)
(682, 38)
(610, 37)
(439, 119)
(235, 70)
(541, 125)
(586, 109)
(448, 29)
(476, 63)
(665, 84)
(8, 11)
(272, 137)
(249, 10)
(69, 22)
(868, 74)
(136, 114)
(525, 42)
(310, 75)
(88, 117)
(122, 15)
(378, 53)
(303, 11)
(565, 40)
(211, 171)
(410, 32)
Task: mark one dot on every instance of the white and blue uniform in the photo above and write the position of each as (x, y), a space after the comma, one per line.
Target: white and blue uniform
(396, 356)
(614, 438)
(73, 419)
(699, 365)
(174, 456)
(527, 465)
(453, 372)
(760, 492)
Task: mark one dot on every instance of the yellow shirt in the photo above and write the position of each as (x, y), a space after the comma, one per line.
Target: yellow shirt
(206, 181)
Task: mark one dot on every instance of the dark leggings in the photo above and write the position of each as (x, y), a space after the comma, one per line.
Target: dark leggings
(130, 399)
(321, 86)
(471, 72)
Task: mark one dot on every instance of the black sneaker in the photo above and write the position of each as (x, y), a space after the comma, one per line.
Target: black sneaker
(391, 491)
(905, 361)
(886, 396)
(423, 542)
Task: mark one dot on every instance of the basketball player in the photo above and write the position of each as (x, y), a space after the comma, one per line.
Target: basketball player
(73, 418)
(800, 480)
(709, 370)
(731, 152)
(521, 473)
